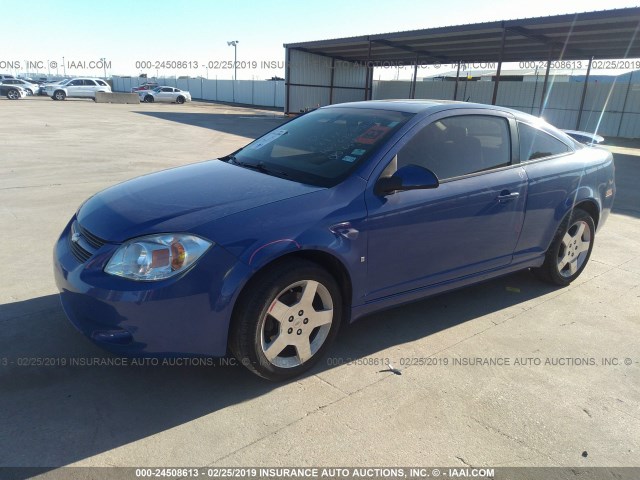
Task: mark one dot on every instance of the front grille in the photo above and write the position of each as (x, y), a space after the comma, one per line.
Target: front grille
(84, 242)
(80, 253)
(95, 242)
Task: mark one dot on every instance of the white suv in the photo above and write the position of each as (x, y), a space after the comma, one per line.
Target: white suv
(77, 87)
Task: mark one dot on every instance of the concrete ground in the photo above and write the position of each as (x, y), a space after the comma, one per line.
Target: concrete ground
(575, 412)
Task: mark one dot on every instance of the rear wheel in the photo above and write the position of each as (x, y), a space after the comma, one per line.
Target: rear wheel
(286, 319)
(59, 95)
(570, 249)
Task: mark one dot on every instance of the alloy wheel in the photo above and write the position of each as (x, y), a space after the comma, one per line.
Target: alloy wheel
(574, 248)
(296, 324)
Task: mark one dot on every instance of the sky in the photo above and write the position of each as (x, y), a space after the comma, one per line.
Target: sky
(191, 35)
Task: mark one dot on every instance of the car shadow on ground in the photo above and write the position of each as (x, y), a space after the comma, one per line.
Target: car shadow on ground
(245, 125)
(55, 414)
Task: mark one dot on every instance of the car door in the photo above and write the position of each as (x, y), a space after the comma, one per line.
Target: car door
(165, 95)
(90, 88)
(468, 224)
(75, 88)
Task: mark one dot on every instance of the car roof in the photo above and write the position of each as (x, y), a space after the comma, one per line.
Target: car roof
(432, 106)
(418, 106)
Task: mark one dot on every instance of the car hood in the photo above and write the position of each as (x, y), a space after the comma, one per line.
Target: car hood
(181, 199)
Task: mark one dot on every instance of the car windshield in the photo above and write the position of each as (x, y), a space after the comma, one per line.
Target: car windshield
(322, 147)
(157, 89)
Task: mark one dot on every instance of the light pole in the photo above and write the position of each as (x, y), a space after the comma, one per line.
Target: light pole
(64, 67)
(234, 44)
(104, 64)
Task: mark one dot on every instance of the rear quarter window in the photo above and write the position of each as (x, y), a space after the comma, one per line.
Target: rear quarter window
(535, 144)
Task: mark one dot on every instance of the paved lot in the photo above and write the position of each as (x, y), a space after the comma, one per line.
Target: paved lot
(55, 154)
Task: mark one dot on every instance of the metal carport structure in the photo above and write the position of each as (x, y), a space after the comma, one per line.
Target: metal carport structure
(339, 70)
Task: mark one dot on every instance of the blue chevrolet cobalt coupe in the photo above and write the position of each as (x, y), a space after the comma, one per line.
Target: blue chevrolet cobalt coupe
(346, 210)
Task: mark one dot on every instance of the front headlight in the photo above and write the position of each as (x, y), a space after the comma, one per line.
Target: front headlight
(156, 257)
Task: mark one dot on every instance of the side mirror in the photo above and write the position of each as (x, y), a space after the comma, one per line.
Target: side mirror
(409, 177)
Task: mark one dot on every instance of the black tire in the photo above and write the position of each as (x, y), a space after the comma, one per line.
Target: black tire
(59, 95)
(180, 100)
(29, 92)
(252, 321)
(560, 249)
(13, 94)
(148, 99)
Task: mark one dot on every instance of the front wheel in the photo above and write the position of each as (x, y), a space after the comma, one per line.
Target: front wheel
(180, 100)
(148, 99)
(13, 95)
(286, 319)
(570, 249)
(59, 95)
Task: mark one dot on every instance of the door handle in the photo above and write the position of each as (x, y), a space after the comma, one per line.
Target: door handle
(505, 196)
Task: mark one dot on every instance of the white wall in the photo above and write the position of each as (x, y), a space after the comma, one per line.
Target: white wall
(604, 110)
(262, 93)
(311, 77)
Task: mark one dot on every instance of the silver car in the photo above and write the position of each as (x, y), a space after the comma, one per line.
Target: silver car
(77, 87)
(165, 94)
(30, 88)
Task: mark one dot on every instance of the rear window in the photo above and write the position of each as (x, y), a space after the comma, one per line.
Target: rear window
(322, 147)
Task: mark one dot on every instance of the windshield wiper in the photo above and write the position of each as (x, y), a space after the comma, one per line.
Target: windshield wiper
(258, 167)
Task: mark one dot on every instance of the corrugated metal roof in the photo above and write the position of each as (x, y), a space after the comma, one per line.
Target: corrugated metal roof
(606, 34)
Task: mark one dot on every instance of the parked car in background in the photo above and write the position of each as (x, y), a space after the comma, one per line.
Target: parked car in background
(30, 87)
(4, 76)
(77, 88)
(45, 84)
(12, 92)
(164, 94)
(339, 213)
(145, 86)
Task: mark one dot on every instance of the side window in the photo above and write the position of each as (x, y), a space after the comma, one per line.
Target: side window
(167, 89)
(102, 83)
(90, 83)
(460, 145)
(535, 143)
(75, 83)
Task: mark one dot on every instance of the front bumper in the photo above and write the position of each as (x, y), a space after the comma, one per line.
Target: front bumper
(185, 315)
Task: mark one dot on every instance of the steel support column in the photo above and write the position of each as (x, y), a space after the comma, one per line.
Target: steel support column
(455, 90)
(543, 96)
(286, 83)
(624, 104)
(366, 85)
(584, 93)
(415, 78)
(497, 82)
(333, 70)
